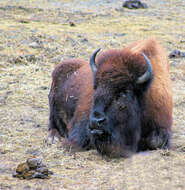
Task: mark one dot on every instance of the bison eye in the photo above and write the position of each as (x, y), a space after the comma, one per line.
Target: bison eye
(120, 95)
(122, 107)
(123, 94)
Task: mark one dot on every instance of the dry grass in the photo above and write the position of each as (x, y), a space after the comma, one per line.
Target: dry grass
(25, 82)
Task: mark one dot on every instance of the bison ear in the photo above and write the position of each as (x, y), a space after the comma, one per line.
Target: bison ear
(148, 74)
(92, 61)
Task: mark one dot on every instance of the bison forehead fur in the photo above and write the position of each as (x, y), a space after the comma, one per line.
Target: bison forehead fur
(119, 104)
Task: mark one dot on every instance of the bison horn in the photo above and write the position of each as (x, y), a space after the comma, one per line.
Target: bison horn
(148, 74)
(92, 61)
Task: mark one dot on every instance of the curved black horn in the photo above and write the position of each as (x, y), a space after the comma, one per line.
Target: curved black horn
(148, 74)
(92, 61)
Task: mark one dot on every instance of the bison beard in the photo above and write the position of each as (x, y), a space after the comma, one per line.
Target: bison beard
(119, 135)
(119, 104)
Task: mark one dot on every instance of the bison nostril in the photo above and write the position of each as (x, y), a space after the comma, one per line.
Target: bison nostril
(95, 123)
(96, 120)
(100, 120)
(97, 115)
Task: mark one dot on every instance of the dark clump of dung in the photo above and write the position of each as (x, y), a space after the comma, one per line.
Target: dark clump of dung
(32, 168)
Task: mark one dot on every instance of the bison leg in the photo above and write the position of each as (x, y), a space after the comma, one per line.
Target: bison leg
(52, 134)
(57, 130)
(79, 136)
(57, 127)
(159, 138)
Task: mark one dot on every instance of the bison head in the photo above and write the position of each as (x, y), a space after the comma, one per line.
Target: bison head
(120, 81)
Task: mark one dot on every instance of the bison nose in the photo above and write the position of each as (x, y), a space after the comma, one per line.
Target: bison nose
(96, 120)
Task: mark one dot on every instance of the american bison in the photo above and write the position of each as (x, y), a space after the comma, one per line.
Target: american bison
(120, 103)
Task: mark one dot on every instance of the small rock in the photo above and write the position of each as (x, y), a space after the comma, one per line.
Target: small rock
(120, 34)
(23, 59)
(134, 4)
(24, 21)
(165, 153)
(176, 54)
(29, 57)
(43, 87)
(71, 23)
(35, 45)
(37, 125)
(84, 40)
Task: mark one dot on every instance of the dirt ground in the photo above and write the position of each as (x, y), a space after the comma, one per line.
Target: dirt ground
(34, 37)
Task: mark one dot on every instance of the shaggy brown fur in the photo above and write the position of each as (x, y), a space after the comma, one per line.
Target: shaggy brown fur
(76, 93)
(159, 102)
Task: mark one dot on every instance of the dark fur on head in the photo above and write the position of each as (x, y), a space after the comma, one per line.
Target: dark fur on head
(118, 97)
